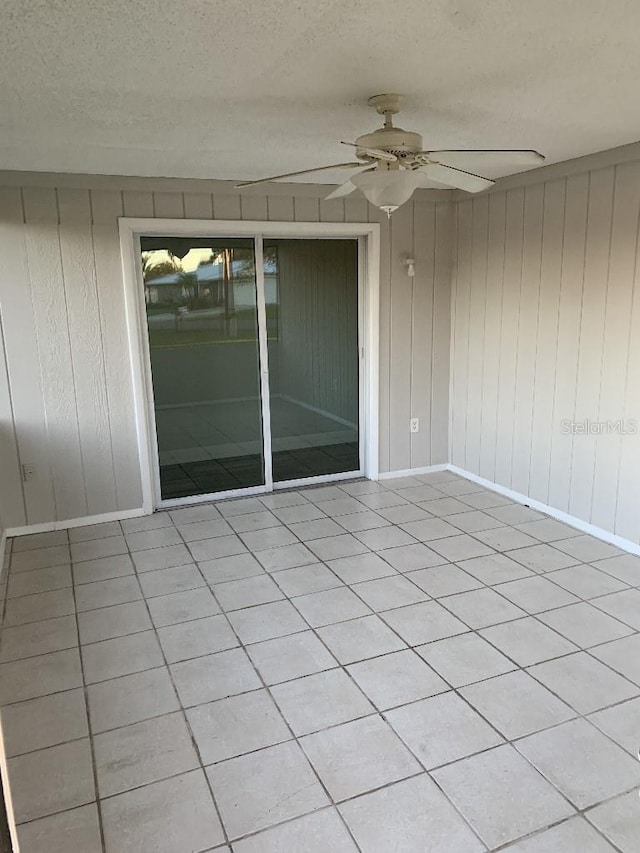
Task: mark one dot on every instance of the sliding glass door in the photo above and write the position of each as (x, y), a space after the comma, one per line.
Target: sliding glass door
(254, 355)
(312, 310)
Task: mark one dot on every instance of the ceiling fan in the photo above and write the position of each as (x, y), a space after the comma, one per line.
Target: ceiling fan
(394, 164)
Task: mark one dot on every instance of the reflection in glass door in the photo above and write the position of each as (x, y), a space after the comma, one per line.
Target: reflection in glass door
(201, 304)
(311, 290)
(246, 358)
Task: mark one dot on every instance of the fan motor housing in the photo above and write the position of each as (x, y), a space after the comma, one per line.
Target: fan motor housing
(392, 139)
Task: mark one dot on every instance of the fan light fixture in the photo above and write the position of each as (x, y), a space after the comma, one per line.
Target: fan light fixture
(388, 190)
(394, 164)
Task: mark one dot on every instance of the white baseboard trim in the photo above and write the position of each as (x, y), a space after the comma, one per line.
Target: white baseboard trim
(48, 526)
(559, 515)
(410, 472)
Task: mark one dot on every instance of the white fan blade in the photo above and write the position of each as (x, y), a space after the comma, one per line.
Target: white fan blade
(493, 156)
(376, 153)
(455, 178)
(355, 165)
(493, 164)
(344, 189)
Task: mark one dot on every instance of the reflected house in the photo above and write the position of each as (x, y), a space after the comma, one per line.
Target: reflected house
(204, 287)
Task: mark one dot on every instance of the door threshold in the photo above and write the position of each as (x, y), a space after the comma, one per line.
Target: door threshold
(252, 491)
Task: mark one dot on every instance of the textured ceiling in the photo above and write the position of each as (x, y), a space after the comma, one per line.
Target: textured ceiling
(240, 89)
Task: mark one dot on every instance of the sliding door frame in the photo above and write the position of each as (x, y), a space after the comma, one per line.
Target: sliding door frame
(368, 236)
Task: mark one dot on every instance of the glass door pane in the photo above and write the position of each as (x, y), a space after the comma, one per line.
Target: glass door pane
(200, 296)
(311, 294)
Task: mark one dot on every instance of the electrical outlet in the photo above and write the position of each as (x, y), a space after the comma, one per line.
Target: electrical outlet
(415, 424)
(28, 471)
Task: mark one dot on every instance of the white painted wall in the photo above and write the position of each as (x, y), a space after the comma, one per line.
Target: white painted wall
(546, 328)
(67, 405)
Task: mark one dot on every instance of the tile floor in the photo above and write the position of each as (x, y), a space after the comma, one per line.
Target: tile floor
(413, 665)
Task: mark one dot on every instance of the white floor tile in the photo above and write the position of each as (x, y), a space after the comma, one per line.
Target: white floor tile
(548, 530)
(214, 676)
(358, 757)
(35, 608)
(38, 638)
(581, 762)
(573, 834)
(516, 704)
(287, 557)
(396, 679)
(334, 547)
(585, 581)
(408, 558)
(182, 607)
(94, 596)
(77, 829)
(95, 548)
(121, 656)
(157, 538)
(264, 788)
(306, 579)
(166, 581)
(431, 529)
(45, 721)
(39, 676)
(482, 788)
(236, 725)
(221, 546)
(102, 569)
(626, 568)
(583, 682)
(145, 752)
(51, 780)
(442, 729)
(621, 724)
(536, 594)
(266, 621)
(461, 546)
(380, 538)
(162, 558)
(318, 701)
(584, 625)
(172, 816)
(290, 657)
(411, 816)
(465, 659)
(624, 606)
(332, 605)
(131, 699)
(247, 592)
(317, 832)
(481, 608)
(494, 568)
(423, 623)
(193, 639)
(527, 641)
(543, 557)
(362, 567)
(360, 639)
(505, 538)
(40, 558)
(38, 580)
(388, 593)
(444, 580)
(587, 549)
(232, 568)
(618, 820)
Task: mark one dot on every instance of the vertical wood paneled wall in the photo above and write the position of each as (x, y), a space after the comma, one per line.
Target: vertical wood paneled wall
(66, 401)
(546, 330)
